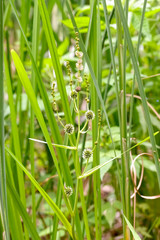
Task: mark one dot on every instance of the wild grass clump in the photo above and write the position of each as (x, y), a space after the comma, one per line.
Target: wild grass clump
(79, 120)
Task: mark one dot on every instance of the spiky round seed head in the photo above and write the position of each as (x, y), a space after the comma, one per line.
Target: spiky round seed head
(68, 191)
(90, 115)
(87, 153)
(69, 129)
(73, 94)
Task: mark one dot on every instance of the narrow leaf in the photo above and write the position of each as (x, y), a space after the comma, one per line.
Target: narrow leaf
(54, 207)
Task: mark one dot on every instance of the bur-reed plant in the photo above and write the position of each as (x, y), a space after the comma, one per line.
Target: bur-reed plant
(71, 173)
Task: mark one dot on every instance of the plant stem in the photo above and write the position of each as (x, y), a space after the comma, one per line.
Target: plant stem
(123, 125)
(3, 192)
(79, 185)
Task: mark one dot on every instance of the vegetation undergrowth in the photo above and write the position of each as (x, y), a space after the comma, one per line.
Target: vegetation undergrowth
(79, 119)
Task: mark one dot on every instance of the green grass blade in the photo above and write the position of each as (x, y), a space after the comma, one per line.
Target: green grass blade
(135, 235)
(19, 206)
(1, 228)
(16, 228)
(55, 59)
(58, 202)
(54, 207)
(140, 86)
(95, 40)
(3, 192)
(112, 58)
(125, 169)
(35, 38)
(16, 140)
(137, 52)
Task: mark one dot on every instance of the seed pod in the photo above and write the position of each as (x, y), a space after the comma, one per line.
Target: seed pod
(90, 115)
(68, 191)
(87, 153)
(69, 129)
(74, 94)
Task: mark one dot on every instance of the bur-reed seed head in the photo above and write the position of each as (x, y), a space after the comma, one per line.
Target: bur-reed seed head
(69, 129)
(74, 94)
(89, 115)
(68, 191)
(87, 153)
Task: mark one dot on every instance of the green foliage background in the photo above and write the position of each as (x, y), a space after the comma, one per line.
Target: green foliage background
(121, 59)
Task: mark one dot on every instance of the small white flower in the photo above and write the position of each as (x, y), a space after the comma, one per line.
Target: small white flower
(79, 61)
(79, 66)
(77, 74)
(79, 54)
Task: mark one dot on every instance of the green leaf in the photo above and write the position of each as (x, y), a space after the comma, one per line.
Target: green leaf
(19, 206)
(54, 207)
(135, 235)
(110, 213)
(80, 21)
(63, 47)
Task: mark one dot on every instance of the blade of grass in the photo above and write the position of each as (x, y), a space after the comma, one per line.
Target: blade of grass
(1, 228)
(133, 84)
(16, 140)
(122, 48)
(54, 207)
(15, 135)
(140, 86)
(16, 228)
(135, 235)
(3, 192)
(55, 220)
(117, 93)
(35, 42)
(95, 39)
(19, 206)
(55, 59)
